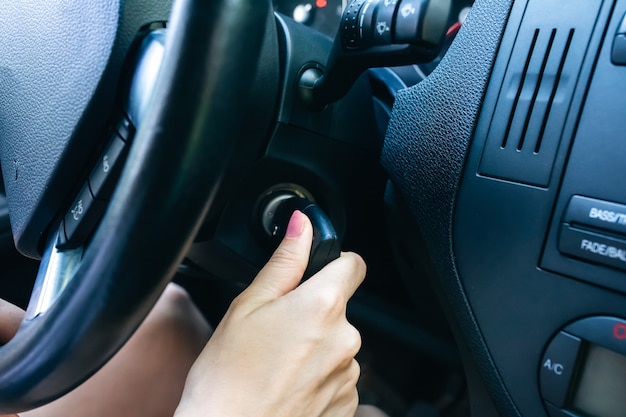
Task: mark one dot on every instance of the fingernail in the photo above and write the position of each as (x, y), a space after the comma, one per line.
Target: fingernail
(296, 224)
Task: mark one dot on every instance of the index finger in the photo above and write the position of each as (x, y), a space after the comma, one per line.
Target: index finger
(346, 273)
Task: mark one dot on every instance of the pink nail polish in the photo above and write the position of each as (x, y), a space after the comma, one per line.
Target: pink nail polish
(296, 224)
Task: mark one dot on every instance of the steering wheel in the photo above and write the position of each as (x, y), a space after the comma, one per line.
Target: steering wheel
(177, 163)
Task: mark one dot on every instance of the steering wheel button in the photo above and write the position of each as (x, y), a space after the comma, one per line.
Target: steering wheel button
(82, 216)
(618, 54)
(125, 129)
(62, 238)
(102, 179)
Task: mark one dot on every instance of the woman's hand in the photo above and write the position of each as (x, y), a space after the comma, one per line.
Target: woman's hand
(283, 349)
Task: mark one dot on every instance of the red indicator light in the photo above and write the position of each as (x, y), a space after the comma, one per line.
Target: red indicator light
(454, 29)
(619, 331)
(321, 3)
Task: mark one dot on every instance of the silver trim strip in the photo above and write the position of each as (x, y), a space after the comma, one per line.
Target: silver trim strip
(55, 272)
(145, 75)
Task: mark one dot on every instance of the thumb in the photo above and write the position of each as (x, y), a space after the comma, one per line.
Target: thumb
(284, 271)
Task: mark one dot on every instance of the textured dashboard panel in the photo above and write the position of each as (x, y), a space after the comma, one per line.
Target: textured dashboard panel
(431, 127)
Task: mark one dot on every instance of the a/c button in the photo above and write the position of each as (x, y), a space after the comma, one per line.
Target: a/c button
(557, 368)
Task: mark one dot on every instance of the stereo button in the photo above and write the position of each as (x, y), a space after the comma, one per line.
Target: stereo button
(593, 247)
(596, 213)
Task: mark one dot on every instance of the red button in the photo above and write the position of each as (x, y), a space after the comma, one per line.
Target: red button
(619, 331)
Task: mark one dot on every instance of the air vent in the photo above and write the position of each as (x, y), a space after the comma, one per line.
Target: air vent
(523, 125)
(537, 90)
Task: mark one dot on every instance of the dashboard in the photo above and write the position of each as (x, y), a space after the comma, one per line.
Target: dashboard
(504, 169)
(538, 218)
(323, 15)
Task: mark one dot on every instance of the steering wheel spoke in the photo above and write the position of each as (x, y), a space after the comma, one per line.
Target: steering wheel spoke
(56, 270)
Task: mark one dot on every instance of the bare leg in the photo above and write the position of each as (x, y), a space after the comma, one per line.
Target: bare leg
(147, 376)
(10, 319)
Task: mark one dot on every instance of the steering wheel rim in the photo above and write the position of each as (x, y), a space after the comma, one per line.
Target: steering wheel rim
(181, 151)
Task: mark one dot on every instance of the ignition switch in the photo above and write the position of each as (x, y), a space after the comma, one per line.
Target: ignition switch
(275, 211)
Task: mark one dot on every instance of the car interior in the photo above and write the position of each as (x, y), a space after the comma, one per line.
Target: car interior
(470, 151)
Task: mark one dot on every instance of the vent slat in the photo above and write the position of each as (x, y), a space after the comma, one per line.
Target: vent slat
(555, 88)
(520, 88)
(529, 115)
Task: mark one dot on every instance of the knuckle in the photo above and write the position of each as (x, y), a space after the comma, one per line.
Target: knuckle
(354, 403)
(356, 263)
(238, 303)
(351, 403)
(353, 340)
(347, 388)
(328, 301)
(344, 357)
(354, 372)
(239, 299)
(344, 403)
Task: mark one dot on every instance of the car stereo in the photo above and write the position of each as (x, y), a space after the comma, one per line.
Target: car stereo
(583, 370)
